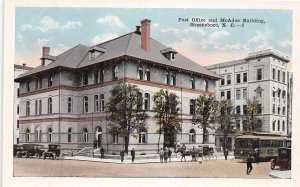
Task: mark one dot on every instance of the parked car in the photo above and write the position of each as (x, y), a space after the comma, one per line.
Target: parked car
(31, 150)
(53, 152)
(17, 148)
(283, 160)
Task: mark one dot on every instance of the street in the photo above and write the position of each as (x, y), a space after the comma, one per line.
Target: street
(73, 168)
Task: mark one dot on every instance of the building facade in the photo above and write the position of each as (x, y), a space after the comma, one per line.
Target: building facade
(263, 75)
(18, 70)
(63, 100)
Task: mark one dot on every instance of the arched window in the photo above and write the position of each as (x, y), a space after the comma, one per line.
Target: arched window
(274, 124)
(69, 104)
(278, 125)
(206, 85)
(27, 108)
(167, 78)
(27, 135)
(147, 101)
(102, 102)
(40, 107)
(49, 134)
(115, 72)
(50, 105)
(140, 101)
(85, 104)
(38, 133)
(96, 103)
(140, 73)
(85, 135)
(283, 126)
(192, 83)
(69, 135)
(259, 93)
(192, 107)
(147, 75)
(142, 137)
(192, 136)
(174, 80)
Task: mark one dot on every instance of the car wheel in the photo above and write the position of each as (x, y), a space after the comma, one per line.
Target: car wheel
(272, 165)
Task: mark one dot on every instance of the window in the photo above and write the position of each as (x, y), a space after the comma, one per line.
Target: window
(192, 83)
(192, 107)
(69, 104)
(283, 110)
(142, 137)
(278, 125)
(283, 77)
(69, 135)
(115, 72)
(140, 73)
(238, 94)
(147, 75)
(40, 107)
(222, 95)
(85, 135)
(174, 80)
(283, 126)
(27, 135)
(278, 93)
(18, 141)
(273, 109)
(274, 124)
(101, 75)
(85, 104)
(139, 100)
(85, 79)
(96, 103)
(102, 102)
(222, 80)
(28, 86)
(36, 107)
(259, 93)
(18, 109)
(238, 109)
(228, 79)
(147, 101)
(283, 94)
(245, 78)
(18, 92)
(278, 110)
(228, 95)
(206, 85)
(245, 93)
(278, 75)
(92, 55)
(50, 81)
(238, 78)
(259, 108)
(49, 135)
(259, 74)
(96, 76)
(192, 136)
(40, 83)
(36, 84)
(18, 124)
(115, 138)
(273, 73)
(50, 105)
(238, 125)
(245, 109)
(167, 78)
(27, 108)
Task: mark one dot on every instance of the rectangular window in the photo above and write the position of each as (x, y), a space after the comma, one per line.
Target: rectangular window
(283, 77)
(50, 81)
(96, 103)
(36, 84)
(245, 77)
(102, 102)
(18, 124)
(259, 108)
(245, 109)
(40, 107)
(192, 107)
(259, 74)
(18, 109)
(142, 137)
(238, 78)
(228, 96)
(222, 95)
(273, 73)
(36, 107)
(115, 138)
(238, 109)
(273, 109)
(238, 94)
(228, 79)
(85, 104)
(28, 86)
(69, 104)
(222, 80)
(238, 125)
(278, 110)
(147, 101)
(101, 75)
(278, 75)
(40, 83)
(245, 94)
(18, 92)
(96, 76)
(85, 79)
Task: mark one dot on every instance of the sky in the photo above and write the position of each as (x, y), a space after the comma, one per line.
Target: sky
(63, 28)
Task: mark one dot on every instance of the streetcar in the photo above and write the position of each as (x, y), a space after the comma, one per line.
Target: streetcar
(261, 145)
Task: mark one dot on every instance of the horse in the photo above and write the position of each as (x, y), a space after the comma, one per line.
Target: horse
(185, 152)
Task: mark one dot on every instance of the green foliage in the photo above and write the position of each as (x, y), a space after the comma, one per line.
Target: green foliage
(227, 117)
(252, 123)
(206, 108)
(165, 107)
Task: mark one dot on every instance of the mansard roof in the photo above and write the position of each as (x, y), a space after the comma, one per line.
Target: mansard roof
(126, 45)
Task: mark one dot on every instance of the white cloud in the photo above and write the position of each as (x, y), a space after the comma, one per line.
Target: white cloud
(285, 43)
(59, 49)
(258, 41)
(236, 46)
(112, 20)
(213, 39)
(43, 41)
(184, 31)
(48, 23)
(102, 38)
(155, 25)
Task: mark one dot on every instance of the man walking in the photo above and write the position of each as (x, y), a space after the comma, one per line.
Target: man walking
(161, 155)
(256, 154)
(132, 155)
(249, 164)
(166, 152)
(122, 156)
(102, 152)
(226, 153)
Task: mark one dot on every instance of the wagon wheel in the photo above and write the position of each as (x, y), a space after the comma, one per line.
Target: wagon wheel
(36, 155)
(272, 165)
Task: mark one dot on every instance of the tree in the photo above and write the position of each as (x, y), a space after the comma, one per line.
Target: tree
(165, 107)
(226, 120)
(127, 114)
(252, 123)
(206, 108)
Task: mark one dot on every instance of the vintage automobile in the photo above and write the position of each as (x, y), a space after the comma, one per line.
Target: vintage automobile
(53, 152)
(17, 148)
(31, 150)
(283, 160)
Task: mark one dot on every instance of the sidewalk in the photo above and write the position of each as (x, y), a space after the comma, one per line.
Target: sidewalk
(280, 174)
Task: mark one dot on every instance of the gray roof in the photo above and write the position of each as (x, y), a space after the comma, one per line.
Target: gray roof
(129, 45)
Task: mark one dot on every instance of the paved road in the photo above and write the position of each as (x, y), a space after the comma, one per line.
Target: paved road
(220, 168)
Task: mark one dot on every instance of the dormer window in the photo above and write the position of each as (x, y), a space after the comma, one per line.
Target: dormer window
(169, 53)
(96, 51)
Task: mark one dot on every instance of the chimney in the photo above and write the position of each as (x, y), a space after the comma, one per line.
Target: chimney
(138, 29)
(46, 51)
(145, 35)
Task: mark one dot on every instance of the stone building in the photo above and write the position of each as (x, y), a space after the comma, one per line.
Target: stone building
(18, 70)
(63, 100)
(263, 75)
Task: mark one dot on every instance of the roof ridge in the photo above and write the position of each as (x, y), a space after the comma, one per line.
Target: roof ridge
(128, 42)
(113, 39)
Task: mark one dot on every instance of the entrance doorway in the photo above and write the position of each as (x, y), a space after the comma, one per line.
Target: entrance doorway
(98, 136)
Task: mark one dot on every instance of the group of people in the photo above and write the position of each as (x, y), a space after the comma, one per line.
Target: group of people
(132, 153)
(164, 155)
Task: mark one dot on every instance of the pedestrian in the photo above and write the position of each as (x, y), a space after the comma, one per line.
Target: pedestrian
(169, 154)
(122, 156)
(226, 153)
(177, 144)
(249, 164)
(102, 152)
(256, 155)
(132, 155)
(161, 155)
(166, 152)
(183, 155)
(194, 154)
